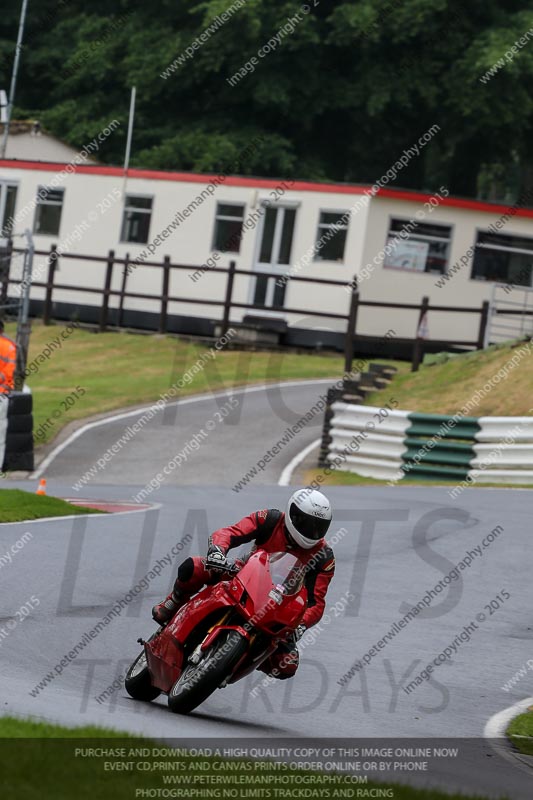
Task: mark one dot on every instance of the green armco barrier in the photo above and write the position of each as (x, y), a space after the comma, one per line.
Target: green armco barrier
(434, 425)
(466, 432)
(440, 446)
(459, 453)
(452, 452)
(434, 471)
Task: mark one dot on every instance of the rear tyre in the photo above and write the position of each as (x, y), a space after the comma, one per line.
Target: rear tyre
(138, 682)
(198, 681)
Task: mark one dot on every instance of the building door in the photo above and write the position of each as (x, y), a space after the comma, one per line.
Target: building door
(273, 254)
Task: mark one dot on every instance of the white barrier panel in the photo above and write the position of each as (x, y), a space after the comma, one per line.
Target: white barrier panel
(502, 475)
(4, 402)
(372, 444)
(366, 452)
(370, 467)
(358, 417)
(494, 429)
(503, 455)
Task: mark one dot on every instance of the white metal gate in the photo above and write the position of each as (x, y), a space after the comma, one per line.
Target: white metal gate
(509, 318)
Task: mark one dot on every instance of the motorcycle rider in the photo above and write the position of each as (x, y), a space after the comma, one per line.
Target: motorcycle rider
(300, 531)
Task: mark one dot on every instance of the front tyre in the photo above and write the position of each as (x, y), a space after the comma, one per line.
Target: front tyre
(138, 682)
(198, 681)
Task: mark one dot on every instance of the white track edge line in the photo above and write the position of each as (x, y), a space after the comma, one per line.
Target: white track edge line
(497, 724)
(494, 732)
(286, 475)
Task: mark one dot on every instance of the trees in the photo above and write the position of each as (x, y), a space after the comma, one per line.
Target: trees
(344, 88)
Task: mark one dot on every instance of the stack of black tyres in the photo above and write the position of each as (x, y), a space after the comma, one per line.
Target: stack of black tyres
(18, 453)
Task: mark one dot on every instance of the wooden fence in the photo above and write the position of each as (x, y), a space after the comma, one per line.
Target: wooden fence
(227, 304)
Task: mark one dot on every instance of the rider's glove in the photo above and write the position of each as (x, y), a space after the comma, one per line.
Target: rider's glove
(216, 559)
(299, 632)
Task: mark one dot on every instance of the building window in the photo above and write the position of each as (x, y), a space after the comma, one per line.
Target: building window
(503, 258)
(136, 219)
(48, 213)
(228, 228)
(331, 236)
(423, 248)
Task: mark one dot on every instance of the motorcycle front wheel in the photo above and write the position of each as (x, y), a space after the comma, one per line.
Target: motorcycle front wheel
(138, 682)
(198, 681)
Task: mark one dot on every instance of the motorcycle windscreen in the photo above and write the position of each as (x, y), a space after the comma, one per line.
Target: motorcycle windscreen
(287, 571)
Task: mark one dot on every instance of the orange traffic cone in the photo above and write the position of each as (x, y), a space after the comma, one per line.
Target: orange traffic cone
(42, 487)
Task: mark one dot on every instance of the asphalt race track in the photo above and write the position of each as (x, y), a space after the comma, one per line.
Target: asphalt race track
(392, 545)
(232, 444)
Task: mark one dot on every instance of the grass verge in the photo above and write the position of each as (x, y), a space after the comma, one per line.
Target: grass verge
(343, 478)
(18, 506)
(40, 760)
(446, 388)
(520, 732)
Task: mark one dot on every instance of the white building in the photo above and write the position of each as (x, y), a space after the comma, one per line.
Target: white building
(28, 142)
(402, 245)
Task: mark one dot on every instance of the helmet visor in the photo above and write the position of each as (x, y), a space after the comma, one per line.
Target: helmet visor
(312, 528)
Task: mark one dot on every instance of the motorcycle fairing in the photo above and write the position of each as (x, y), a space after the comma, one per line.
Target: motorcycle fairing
(165, 653)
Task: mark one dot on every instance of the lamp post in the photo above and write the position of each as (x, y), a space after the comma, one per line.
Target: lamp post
(14, 77)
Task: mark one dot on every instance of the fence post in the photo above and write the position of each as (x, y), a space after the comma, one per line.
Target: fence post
(23, 345)
(229, 294)
(352, 323)
(5, 270)
(52, 264)
(108, 279)
(125, 274)
(164, 295)
(483, 324)
(23, 323)
(418, 347)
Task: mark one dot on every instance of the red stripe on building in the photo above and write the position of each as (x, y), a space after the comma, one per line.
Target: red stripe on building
(265, 183)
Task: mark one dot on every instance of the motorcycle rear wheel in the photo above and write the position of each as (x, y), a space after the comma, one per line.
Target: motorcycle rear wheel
(138, 682)
(198, 681)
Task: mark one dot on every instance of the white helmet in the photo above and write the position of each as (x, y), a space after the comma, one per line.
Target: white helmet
(308, 517)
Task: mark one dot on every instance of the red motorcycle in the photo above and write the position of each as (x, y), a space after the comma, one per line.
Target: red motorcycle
(223, 633)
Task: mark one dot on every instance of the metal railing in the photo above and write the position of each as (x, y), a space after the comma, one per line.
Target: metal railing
(509, 319)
